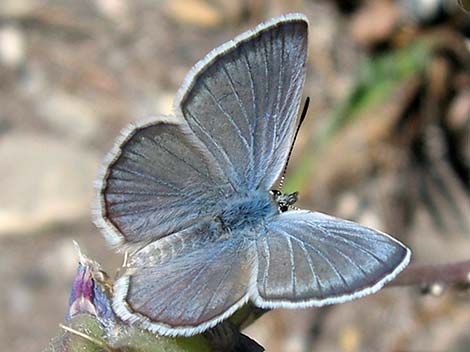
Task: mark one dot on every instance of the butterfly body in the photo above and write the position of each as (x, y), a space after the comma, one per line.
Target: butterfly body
(192, 192)
(248, 212)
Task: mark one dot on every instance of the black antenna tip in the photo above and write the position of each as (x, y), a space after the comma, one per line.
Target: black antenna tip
(301, 120)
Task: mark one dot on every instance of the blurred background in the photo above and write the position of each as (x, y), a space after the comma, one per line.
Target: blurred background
(386, 142)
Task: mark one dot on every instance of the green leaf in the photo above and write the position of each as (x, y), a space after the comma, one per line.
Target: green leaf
(84, 333)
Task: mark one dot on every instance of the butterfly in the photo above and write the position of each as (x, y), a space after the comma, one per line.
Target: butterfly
(192, 195)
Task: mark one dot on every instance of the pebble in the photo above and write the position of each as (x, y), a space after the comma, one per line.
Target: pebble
(44, 182)
(12, 46)
(18, 8)
(69, 116)
(194, 12)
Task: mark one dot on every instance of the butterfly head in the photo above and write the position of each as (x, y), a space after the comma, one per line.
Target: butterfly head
(284, 200)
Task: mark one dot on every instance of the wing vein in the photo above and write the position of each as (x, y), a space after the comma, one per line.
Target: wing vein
(149, 210)
(310, 265)
(249, 145)
(322, 254)
(229, 117)
(292, 261)
(268, 263)
(219, 148)
(239, 101)
(224, 276)
(142, 175)
(255, 107)
(195, 278)
(279, 90)
(143, 193)
(158, 144)
(352, 243)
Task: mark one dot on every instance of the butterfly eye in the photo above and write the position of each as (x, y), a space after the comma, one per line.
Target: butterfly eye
(275, 193)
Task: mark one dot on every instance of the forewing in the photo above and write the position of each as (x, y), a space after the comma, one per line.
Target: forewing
(187, 282)
(157, 180)
(312, 259)
(242, 100)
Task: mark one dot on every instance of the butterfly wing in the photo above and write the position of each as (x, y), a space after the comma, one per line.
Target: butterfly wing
(242, 100)
(186, 283)
(240, 103)
(312, 259)
(158, 179)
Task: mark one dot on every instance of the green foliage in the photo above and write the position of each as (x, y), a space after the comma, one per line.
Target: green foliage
(71, 342)
(464, 4)
(85, 333)
(379, 76)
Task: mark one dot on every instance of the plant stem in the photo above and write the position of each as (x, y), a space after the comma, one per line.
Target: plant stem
(449, 274)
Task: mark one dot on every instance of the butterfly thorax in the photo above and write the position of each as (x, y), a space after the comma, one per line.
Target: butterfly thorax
(248, 212)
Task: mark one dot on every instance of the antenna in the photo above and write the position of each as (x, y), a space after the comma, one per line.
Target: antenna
(302, 118)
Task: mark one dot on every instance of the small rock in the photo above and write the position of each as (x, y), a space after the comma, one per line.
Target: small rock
(294, 343)
(349, 338)
(44, 182)
(18, 8)
(348, 205)
(12, 46)
(113, 9)
(60, 260)
(375, 22)
(194, 12)
(459, 111)
(18, 299)
(69, 116)
(371, 219)
(153, 103)
(117, 11)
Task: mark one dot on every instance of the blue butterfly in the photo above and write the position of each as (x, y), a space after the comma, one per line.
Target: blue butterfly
(191, 195)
